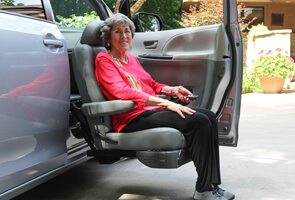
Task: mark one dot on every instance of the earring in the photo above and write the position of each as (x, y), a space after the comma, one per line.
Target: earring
(108, 44)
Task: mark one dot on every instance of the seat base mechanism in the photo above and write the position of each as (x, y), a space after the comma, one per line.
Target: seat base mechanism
(164, 159)
(111, 156)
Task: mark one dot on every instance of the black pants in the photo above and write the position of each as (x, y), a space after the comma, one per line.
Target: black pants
(201, 134)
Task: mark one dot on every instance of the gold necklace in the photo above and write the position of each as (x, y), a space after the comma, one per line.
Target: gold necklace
(119, 59)
(123, 60)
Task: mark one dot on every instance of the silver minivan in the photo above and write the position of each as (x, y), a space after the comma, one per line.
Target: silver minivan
(45, 129)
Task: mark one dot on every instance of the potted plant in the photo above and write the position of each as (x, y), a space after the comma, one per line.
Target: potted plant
(272, 68)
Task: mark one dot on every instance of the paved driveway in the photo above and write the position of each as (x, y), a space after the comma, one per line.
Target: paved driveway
(261, 168)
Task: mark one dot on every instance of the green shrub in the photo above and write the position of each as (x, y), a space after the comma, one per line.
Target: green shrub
(251, 82)
(260, 28)
(206, 12)
(77, 21)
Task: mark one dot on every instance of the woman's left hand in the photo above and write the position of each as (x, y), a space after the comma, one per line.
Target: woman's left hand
(180, 109)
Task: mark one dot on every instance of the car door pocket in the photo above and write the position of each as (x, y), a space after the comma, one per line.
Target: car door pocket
(156, 56)
(150, 44)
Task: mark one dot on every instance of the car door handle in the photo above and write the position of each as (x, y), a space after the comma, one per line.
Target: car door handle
(150, 44)
(56, 43)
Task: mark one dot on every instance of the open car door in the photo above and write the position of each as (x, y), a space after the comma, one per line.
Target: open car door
(207, 60)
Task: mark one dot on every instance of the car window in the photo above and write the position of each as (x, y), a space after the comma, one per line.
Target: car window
(72, 13)
(33, 8)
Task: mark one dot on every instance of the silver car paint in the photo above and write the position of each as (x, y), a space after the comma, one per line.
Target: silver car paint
(34, 75)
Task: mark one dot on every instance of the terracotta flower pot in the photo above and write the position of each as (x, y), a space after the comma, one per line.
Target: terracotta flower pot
(272, 84)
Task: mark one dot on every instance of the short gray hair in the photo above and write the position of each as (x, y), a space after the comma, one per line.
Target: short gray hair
(107, 26)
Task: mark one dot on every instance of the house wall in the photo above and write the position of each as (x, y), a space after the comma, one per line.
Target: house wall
(268, 41)
(293, 45)
(246, 58)
(278, 8)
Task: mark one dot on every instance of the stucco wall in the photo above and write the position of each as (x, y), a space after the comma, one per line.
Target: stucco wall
(268, 41)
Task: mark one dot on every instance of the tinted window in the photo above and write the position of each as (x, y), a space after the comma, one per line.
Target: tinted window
(33, 8)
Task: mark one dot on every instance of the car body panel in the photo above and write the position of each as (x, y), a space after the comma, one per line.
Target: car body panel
(228, 126)
(34, 118)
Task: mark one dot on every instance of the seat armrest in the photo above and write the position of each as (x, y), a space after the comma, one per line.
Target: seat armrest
(162, 96)
(97, 109)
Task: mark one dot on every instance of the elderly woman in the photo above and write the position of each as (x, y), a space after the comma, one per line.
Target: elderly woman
(120, 76)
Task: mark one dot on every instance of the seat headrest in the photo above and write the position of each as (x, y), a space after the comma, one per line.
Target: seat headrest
(91, 34)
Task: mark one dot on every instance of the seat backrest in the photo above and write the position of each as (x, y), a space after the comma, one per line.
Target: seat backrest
(83, 58)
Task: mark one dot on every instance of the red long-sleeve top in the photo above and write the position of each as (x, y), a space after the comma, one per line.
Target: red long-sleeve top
(115, 85)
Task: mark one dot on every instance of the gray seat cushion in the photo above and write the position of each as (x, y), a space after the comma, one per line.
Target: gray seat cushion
(150, 139)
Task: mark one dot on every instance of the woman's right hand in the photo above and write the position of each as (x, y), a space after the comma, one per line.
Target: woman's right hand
(178, 91)
(180, 109)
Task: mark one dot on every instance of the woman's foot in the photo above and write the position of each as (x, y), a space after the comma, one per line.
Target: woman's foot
(224, 193)
(216, 194)
(210, 195)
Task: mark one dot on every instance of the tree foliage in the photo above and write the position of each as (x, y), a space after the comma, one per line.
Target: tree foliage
(169, 11)
(111, 4)
(260, 28)
(76, 21)
(67, 8)
(207, 12)
(7, 2)
(134, 8)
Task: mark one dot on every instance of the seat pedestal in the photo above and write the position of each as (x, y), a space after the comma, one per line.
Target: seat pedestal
(164, 159)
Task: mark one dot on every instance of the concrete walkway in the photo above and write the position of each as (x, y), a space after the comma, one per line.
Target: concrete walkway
(262, 167)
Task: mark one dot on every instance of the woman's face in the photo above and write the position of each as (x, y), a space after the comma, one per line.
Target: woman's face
(121, 37)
